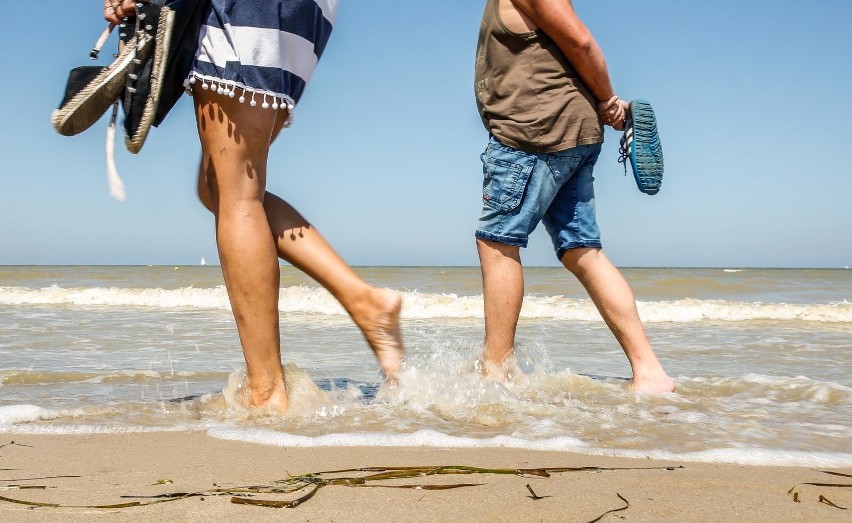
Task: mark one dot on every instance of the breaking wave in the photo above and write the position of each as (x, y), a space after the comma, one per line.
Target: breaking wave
(313, 300)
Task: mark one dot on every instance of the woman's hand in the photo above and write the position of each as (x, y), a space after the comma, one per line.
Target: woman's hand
(116, 10)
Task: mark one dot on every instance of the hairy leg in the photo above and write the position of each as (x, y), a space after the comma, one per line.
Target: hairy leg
(503, 292)
(374, 310)
(235, 142)
(614, 299)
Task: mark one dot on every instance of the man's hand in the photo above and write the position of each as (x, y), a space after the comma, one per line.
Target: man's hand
(614, 112)
(116, 10)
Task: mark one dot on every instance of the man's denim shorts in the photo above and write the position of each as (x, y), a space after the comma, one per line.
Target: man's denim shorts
(522, 189)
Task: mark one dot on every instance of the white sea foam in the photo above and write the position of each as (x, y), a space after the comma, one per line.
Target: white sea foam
(738, 456)
(17, 419)
(210, 298)
(31, 377)
(14, 414)
(313, 300)
(758, 456)
(24, 419)
(421, 438)
(59, 430)
(434, 439)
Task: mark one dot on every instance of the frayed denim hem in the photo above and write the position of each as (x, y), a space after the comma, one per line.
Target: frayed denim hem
(577, 245)
(506, 240)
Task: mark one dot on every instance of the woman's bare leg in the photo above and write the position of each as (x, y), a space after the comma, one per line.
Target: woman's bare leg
(235, 142)
(374, 310)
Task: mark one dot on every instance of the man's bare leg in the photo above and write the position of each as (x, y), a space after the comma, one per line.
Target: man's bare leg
(235, 141)
(614, 299)
(503, 293)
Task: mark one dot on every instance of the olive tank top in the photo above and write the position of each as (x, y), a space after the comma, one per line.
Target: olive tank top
(528, 94)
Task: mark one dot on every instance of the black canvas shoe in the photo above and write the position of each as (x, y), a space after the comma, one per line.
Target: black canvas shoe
(90, 91)
(151, 34)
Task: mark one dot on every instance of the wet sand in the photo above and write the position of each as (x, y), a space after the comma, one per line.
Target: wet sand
(110, 466)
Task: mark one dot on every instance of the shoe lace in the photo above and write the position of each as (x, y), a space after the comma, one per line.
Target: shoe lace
(623, 152)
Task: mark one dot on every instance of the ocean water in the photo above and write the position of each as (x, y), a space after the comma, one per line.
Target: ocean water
(762, 360)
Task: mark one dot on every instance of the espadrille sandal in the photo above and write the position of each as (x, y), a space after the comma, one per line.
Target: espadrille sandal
(641, 146)
(91, 90)
(156, 51)
(152, 32)
(135, 77)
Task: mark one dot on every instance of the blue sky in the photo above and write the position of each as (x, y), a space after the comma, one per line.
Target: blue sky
(383, 157)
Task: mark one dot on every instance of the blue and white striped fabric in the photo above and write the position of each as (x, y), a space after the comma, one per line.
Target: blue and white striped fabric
(262, 51)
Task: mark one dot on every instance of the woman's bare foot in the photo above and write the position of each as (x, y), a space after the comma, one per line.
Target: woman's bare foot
(240, 393)
(267, 396)
(378, 319)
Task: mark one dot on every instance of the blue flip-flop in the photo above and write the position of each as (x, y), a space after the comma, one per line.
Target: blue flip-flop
(641, 145)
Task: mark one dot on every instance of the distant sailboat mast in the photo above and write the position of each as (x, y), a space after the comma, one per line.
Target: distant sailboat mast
(203, 262)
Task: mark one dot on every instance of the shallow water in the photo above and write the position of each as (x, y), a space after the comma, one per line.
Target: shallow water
(762, 359)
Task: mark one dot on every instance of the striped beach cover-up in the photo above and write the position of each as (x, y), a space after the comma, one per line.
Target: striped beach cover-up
(262, 51)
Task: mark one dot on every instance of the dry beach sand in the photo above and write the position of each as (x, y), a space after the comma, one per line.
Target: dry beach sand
(107, 467)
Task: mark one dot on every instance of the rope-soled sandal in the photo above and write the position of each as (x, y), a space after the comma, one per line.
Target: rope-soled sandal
(152, 29)
(91, 90)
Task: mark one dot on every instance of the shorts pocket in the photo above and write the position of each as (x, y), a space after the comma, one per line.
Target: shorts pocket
(506, 176)
(563, 167)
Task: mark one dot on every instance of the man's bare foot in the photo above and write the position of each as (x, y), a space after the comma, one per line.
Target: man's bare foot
(378, 319)
(497, 371)
(657, 384)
